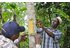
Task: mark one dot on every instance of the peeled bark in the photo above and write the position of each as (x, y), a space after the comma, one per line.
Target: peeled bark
(31, 24)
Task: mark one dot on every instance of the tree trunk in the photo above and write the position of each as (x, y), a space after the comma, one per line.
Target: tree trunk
(31, 24)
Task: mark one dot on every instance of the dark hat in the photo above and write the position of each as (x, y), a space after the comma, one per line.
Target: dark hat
(11, 28)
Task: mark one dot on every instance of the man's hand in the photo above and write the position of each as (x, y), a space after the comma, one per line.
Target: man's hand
(23, 37)
(40, 24)
(20, 38)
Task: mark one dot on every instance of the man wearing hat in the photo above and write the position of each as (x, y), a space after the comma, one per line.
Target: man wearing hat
(10, 35)
(50, 36)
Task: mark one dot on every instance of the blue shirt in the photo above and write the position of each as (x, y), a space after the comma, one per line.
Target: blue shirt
(49, 42)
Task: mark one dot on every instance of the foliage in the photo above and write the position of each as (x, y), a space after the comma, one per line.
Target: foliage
(46, 11)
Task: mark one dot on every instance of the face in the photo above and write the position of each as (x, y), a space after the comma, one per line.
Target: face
(39, 24)
(14, 37)
(55, 23)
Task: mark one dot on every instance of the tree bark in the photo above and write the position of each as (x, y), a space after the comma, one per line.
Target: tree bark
(31, 24)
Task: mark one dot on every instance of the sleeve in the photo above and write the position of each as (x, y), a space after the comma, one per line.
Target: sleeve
(17, 40)
(39, 30)
(11, 45)
(57, 35)
(7, 43)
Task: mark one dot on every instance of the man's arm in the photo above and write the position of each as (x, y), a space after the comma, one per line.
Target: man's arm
(38, 40)
(49, 33)
(20, 38)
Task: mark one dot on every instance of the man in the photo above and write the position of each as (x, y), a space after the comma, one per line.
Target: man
(38, 36)
(10, 35)
(51, 35)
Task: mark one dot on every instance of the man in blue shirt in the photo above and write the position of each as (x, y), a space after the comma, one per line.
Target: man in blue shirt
(50, 36)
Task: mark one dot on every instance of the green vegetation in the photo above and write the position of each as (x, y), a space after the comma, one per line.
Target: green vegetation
(45, 11)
